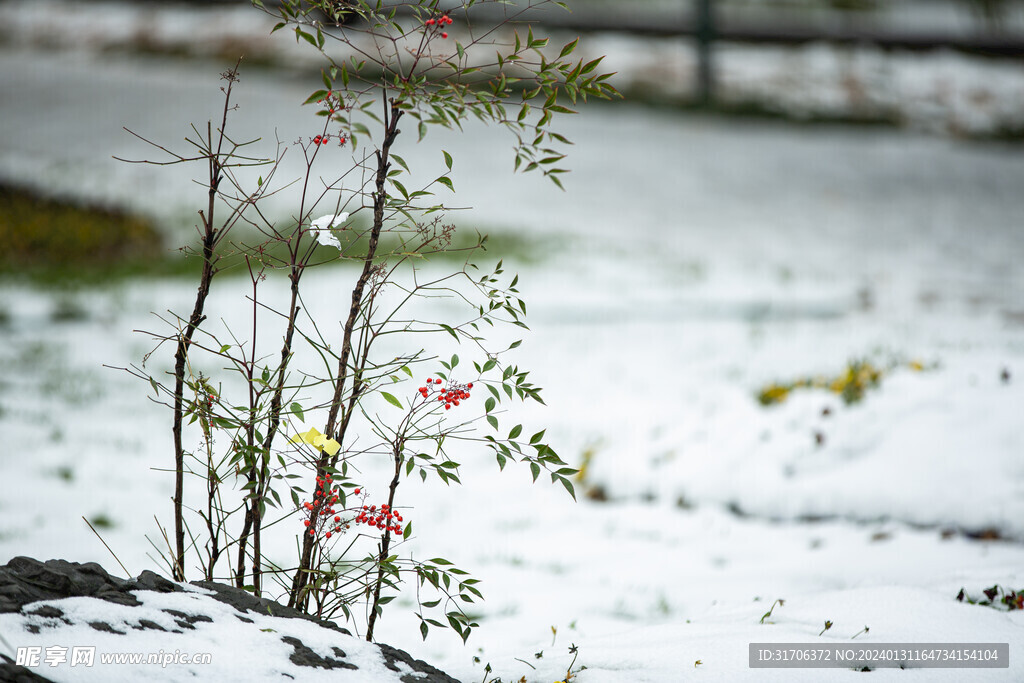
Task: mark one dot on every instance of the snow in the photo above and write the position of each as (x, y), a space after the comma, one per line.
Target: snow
(701, 260)
(240, 650)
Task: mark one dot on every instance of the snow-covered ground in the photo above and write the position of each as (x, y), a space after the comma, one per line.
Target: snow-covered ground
(698, 262)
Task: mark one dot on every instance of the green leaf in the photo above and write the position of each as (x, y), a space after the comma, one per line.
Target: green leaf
(447, 159)
(455, 623)
(489, 405)
(568, 487)
(535, 469)
(407, 531)
(447, 182)
(493, 421)
(401, 161)
(423, 629)
(391, 399)
(297, 411)
(591, 65)
(535, 439)
(316, 96)
(516, 431)
(567, 50)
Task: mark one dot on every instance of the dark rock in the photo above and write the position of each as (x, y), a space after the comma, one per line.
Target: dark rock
(186, 621)
(303, 656)
(9, 671)
(430, 674)
(243, 602)
(105, 627)
(149, 581)
(24, 581)
(152, 625)
(47, 611)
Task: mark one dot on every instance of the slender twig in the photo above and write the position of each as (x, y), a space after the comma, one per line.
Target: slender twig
(127, 573)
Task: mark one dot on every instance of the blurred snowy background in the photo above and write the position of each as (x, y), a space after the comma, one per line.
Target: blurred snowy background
(701, 259)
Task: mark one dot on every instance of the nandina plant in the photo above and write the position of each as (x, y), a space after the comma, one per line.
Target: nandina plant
(381, 378)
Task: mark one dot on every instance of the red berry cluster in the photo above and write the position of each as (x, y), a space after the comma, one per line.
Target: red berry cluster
(440, 21)
(383, 518)
(322, 139)
(322, 508)
(450, 395)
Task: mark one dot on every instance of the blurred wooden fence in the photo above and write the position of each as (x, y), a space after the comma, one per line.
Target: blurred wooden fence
(703, 25)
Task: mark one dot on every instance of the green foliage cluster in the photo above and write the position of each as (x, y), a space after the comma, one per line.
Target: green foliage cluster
(851, 384)
(46, 232)
(996, 597)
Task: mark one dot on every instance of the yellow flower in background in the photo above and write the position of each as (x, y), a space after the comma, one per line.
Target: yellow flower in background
(317, 439)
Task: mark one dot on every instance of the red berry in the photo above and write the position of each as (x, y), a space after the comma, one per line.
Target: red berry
(447, 406)
(356, 492)
(444, 34)
(305, 522)
(337, 519)
(328, 534)
(429, 22)
(469, 386)
(456, 401)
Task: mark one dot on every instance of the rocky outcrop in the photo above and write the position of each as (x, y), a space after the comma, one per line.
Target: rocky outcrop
(25, 582)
